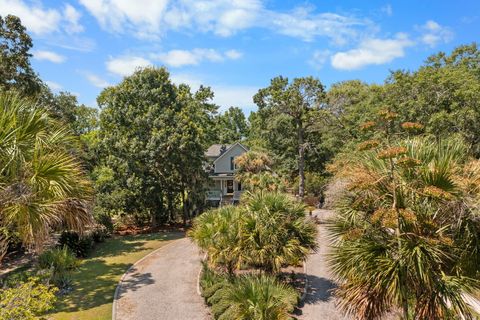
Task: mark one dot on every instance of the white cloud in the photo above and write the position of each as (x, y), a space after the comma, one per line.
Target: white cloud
(54, 85)
(72, 18)
(179, 58)
(126, 65)
(145, 18)
(140, 16)
(387, 9)
(39, 20)
(49, 56)
(304, 24)
(233, 54)
(433, 33)
(372, 51)
(319, 58)
(96, 80)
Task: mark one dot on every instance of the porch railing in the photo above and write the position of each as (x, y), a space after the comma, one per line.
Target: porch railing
(214, 195)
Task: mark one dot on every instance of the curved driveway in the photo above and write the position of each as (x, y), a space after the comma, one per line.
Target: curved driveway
(163, 285)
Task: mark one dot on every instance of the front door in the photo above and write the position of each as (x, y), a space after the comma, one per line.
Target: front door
(229, 186)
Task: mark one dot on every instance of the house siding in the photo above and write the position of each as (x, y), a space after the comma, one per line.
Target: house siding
(222, 165)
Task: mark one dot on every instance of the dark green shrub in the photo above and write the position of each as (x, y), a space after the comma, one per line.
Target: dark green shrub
(61, 261)
(81, 246)
(104, 219)
(99, 234)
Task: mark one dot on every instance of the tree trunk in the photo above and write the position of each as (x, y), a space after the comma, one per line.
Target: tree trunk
(301, 160)
(185, 209)
(170, 207)
(3, 247)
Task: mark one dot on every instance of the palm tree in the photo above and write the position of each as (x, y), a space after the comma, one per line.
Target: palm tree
(259, 298)
(42, 185)
(276, 231)
(407, 232)
(218, 232)
(267, 232)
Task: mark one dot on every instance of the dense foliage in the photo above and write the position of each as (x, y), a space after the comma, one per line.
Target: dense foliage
(407, 230)
(268, 231)
(15, 69)
(152, 144)
(61, 262)
(27, 300)
(284, 108)
(249, 297)
(42, 185)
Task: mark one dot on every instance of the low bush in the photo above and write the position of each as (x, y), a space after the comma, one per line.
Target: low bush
(99, 234)
(104, 219)
(61, 261)
(260, 297)
(81, 246)
(249, 297)
(27, 300)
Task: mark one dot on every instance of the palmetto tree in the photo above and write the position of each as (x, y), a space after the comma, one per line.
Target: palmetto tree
(276, 231)
(267, 232)
(42, 185)
(406, 235)
(259, 298)
(219, 233)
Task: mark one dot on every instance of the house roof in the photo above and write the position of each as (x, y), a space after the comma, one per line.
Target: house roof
(215, 150)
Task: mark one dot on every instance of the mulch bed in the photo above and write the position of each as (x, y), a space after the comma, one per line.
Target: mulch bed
(134, 230)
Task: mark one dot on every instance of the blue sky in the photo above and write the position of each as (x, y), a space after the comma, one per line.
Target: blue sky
(236, 46)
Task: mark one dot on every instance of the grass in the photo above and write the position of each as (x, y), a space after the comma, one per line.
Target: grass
(95, 282)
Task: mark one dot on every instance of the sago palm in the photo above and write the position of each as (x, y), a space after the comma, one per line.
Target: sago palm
(42, 186)
(406, 235)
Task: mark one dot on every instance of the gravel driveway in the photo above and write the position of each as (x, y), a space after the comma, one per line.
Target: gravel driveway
(163, 286)
(319, 302)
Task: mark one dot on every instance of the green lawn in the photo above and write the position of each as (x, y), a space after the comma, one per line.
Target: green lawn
(96, 280)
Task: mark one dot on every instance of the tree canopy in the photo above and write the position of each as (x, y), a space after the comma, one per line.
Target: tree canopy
(153, 137)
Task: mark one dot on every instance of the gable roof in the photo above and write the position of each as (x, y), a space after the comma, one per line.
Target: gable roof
(215, 150)
(230, 148)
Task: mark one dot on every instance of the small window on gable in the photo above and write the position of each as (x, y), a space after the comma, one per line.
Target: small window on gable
(232, 163)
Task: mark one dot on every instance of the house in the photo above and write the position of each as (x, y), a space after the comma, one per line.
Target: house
(221, 172)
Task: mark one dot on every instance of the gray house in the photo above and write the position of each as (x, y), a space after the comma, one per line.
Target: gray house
(221, 171)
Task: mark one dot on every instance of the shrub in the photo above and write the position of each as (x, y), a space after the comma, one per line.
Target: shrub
(81, 246)
(247, 297)
(268, 232)
(62, 262)
(104, 219)
(260, 297)
(99, 234)
(27, 300)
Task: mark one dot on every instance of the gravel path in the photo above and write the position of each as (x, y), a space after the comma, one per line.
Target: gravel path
(319, 302)
(163, 286)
